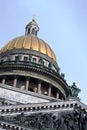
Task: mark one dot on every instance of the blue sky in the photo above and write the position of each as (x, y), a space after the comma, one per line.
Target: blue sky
(63, 24)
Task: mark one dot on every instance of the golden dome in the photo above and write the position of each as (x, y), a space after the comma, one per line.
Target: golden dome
(30, 42)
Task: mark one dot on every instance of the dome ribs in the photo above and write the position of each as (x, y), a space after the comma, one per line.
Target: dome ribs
(31, 43)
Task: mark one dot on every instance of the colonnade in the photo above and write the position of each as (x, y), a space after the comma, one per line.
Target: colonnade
(36, 89)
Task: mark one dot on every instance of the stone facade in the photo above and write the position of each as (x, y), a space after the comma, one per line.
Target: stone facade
(34, 95)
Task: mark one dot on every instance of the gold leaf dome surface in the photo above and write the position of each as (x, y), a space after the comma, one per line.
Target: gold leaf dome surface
(30, 43)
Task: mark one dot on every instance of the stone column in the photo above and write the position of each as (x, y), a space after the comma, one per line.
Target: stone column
(3, 79)
(57, 95)
(27, 83)
(15, 81)
(39, 86)
(49, 91)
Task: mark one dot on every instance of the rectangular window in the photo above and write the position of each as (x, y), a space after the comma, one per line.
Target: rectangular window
(25, 58)
(34, 59)
(16, 58)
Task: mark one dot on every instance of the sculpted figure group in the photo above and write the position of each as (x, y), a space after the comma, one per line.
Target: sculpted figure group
(76, 120)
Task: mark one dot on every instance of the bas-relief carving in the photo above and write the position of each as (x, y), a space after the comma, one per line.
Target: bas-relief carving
(76, 120)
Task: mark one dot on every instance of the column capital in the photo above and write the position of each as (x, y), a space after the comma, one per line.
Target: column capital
(50, 85)
(28, 77)
(39, 81)
(16, 76)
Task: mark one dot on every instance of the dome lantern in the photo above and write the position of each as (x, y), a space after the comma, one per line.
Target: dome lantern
(32, 28)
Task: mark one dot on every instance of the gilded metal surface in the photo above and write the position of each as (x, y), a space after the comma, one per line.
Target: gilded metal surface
(29, 42)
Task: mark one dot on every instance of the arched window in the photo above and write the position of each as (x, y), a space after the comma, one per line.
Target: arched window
(41, 61)
(29, 31)
(25, 58)
(36, 33)
(16, 58)
(34, 60)
(33, 31)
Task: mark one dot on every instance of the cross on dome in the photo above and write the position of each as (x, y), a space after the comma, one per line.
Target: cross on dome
(32, 28)
(34, 16)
